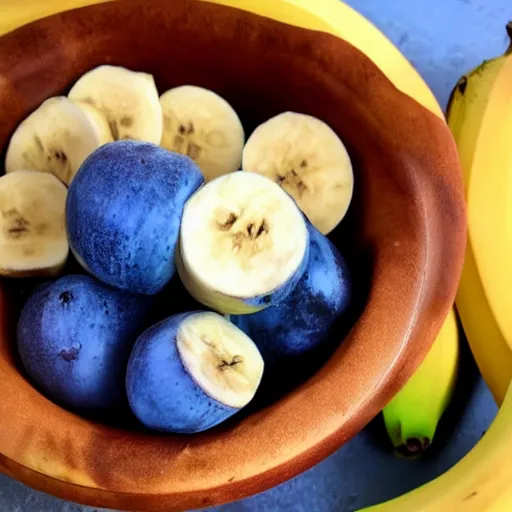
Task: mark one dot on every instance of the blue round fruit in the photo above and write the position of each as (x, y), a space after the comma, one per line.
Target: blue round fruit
(75, 336)
(124, 209)
(190, 372)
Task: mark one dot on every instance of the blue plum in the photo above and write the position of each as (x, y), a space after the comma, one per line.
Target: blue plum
(181, 376)
(75, 336)
(298, 326)
(124, 209)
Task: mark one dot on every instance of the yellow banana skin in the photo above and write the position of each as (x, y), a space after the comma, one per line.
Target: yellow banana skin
(480, 482)
(412, 416)
(480, 117)
(489, 196)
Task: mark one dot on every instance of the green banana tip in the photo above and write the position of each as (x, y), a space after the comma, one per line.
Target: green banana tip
(414, 447)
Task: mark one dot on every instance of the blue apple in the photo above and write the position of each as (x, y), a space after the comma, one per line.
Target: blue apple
(301, 325)
(190, 372)
(75, 336)
(124, 209)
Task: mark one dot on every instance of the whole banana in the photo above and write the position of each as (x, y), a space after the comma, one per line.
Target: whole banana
(412, 416)
(480, 117)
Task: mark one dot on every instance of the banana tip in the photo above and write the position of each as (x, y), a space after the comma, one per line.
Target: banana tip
(414, 447)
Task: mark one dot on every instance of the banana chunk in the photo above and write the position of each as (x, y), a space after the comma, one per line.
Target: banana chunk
(56, 138)
(202, 125)
(243, 244)
(307, 159)
(128, 100)
(33, 239)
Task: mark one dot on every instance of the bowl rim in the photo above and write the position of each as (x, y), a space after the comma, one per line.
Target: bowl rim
(326, 431)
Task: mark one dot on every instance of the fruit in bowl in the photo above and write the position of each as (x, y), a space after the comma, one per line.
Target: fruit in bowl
(395, 237)
(192, 371)
(123, 213)
(74, 338)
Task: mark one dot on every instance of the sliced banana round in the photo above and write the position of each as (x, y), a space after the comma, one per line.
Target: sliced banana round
(221, 358)
(202, 125)
(243, 244)
(98, 121)
(56, 138)
(33, 239)
(128, 99)
(304, 156)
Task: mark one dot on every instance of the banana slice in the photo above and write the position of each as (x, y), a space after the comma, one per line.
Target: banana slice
(33, 239)
(202, 125)
(128, 99)
(243, 244)
(98, 121)
(223, 360)
(192, 371)
(304, 156)
(55, 138)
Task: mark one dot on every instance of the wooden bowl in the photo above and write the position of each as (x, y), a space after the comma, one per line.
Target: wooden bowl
(406, 226)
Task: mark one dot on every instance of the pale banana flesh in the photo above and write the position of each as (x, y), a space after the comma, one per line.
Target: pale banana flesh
(56, 138)
(412, 416)
(202, 125)
(128, 100)
(241, 237)
(221, 359)
(33, 238)
(308, 160)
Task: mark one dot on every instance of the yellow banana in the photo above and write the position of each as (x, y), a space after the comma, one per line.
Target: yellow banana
(490, 188)
(480, 117)
(331, 16)
(480, 482)
(412, 416)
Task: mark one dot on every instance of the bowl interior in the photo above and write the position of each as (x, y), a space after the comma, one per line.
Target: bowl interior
(262, 68)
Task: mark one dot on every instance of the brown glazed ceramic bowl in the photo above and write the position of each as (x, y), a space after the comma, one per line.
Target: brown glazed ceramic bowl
(406, 226)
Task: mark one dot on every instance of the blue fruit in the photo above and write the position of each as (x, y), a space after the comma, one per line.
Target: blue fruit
(178, 377)
(124, 210)
(302, 323)
(74, 338)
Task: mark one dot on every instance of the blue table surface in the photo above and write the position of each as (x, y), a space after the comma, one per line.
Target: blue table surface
(443, 39)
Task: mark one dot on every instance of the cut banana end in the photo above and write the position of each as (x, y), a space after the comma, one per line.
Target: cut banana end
(98, 122)
(244, 244)
(305, 157)
(128, 99)
(56, 138)
(33, 239)
(220, 358)
(202, 125)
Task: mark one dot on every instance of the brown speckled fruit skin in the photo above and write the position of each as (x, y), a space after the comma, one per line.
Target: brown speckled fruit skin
(407, 221)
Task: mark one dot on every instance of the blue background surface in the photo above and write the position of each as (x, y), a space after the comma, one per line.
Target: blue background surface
(443, 39)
